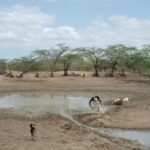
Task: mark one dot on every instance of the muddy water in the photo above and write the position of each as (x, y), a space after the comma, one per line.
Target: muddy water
(142, 136)
(35, 104)
(38, 104)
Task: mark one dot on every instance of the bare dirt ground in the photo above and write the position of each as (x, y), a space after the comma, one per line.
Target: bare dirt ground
(55, 133)
(52, 133)
(134, 116)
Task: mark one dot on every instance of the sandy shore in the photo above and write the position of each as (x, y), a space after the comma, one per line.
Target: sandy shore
(55, 133)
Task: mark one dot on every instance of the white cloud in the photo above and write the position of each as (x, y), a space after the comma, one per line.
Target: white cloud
(22, 24)
(27, 28)
(119, 29)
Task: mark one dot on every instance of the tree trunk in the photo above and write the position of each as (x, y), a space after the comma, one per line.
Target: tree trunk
(52, 74)
(21, 75)
(10, 74)
(36, 74)
(52, 68)
(96, 71)
(113, 68)
(122, 73)
(66, 67)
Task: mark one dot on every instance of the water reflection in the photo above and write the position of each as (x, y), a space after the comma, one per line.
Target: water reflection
(52, 103)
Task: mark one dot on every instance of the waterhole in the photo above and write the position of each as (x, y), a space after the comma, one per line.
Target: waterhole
(38, 104)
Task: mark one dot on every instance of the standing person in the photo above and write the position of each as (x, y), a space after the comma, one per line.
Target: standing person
(32, 131)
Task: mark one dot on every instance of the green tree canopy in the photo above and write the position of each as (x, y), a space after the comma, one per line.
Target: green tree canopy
(117, 56)
(94, 55)
(24, 64)
(2, 66)
(140, 60)
(51, 56)
(68, 60)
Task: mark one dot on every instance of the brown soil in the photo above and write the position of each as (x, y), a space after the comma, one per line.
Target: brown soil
(52, 133)
(71, 83)
(133, 116)
(55, 133)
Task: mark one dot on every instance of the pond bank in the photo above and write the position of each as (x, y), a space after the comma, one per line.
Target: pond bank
(58, 133)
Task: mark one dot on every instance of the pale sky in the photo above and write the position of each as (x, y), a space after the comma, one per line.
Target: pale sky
(26, 25)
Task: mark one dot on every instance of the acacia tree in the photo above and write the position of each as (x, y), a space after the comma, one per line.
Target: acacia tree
(2, 66)
(68, 60)
(51, 56)
(94, 55)
(140, 60)
(24, 64)
(117, 55)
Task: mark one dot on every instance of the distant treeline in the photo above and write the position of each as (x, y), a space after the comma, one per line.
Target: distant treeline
(114, 58)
